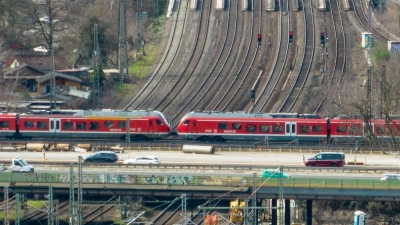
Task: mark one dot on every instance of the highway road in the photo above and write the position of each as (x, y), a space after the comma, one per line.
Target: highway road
(251, 158)
(270, 160)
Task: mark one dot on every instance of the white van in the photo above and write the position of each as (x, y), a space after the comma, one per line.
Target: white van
(391, 176)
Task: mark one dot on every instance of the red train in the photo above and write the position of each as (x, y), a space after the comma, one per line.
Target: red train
(222, 126)
(143, 125)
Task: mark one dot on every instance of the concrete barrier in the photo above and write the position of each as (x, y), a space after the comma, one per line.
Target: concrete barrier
(198, 149)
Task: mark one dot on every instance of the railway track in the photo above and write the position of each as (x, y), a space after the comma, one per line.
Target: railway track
(363, 18)
(166, 103)
(306, 61)
(280, 57)
(241, 95)
(210, 86)
(157, 76)
(41, 215)
(198, 95)
(168, 213)
(339, 55)
(98, 211)
(241, 61)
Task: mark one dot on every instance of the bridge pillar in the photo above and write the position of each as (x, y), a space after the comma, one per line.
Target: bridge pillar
(273, 214)
(309, 212)
(287, 211)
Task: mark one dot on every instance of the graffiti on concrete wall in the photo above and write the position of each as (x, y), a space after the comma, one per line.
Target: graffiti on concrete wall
(178, 180)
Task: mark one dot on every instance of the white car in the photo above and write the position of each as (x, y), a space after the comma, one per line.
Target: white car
(41, 49)
(46, 19)
(391, 176)
(143, 160)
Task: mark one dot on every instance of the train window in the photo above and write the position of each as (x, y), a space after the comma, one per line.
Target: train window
(186, 122)
(122, 124)
(223, 126)
(277, 128)
(94, 125)
(41, 125)
(68, 126)
(81, 126)
(28, 124)
(304, 129)
(355, 130)
(250, 128)
(341, 129)
(236, 126)
(159, 123)
(264, 128)
(316, 128)
(109, 124)
(380, 130)
(4, 124)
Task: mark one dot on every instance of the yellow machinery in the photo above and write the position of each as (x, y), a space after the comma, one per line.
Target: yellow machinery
(236, 214)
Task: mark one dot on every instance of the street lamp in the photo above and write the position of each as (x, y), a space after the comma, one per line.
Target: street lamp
(73, 62)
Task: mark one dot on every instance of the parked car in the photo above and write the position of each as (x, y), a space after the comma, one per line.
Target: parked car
(41, 49)
(273, 173)
(102, 156)
(391, 176)
(332, 159)
(143, 160)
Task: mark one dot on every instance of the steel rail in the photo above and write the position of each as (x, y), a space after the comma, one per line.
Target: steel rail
(200, 86)
(152, 78)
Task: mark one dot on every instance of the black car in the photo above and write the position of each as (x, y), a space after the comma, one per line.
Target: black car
(102, 156)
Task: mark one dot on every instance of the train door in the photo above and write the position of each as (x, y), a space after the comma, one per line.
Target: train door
(290, 129)
(55, 125)
(150, 127)
(193, 127)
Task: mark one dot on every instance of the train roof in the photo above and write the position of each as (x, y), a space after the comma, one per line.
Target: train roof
(119, 113)
(226, 115)
(243, 114)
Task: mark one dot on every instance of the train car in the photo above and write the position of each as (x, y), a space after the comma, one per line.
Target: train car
(295, 5)
(321, 5)
(346, 5)
(8, 125)
(220, 5)
(383, 132)
(269, 5)
(221, 126)
(343, 130)
(245, 5)
(193, 5)
(143, 125)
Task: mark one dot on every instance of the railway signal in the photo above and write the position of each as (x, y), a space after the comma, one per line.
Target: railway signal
(322, 38)
(253, 95)
(259, 38)
(290, 36)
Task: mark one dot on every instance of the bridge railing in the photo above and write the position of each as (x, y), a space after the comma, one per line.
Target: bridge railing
(135, 178)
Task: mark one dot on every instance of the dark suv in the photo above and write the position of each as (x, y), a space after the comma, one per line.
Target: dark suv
(102, 156)
(332, 159)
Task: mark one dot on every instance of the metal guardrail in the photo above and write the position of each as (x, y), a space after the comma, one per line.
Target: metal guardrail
(213, 166)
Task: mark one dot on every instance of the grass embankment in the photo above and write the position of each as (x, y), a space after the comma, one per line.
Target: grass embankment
(141, 67)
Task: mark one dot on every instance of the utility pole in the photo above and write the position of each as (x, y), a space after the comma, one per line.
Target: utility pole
(122, 51)
(96, 66)
(6, 206)
(383, 92)
(52, 84)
